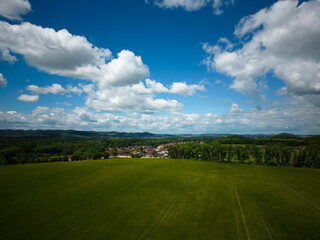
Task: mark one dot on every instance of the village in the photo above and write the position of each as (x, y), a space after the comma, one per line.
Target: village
(160, 151)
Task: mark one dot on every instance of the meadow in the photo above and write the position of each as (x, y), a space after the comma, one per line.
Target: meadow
(158, 199)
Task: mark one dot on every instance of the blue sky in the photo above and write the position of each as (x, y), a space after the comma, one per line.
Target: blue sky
(163, 66)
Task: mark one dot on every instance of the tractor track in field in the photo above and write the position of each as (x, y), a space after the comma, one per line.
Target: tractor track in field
(242, 214)
(234, 211)
(310, 204)
(70, 227)
(264, 223)
(75, 224)
(148, 230)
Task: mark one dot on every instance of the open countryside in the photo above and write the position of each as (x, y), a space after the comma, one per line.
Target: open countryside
(160, 119)
(158, 199)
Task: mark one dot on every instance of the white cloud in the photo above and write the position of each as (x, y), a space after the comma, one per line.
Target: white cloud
(28, 98)
(151, 87)
(117, 83)
(6, 56)
(64, 54)
(54, 89)
(218, 4)
(3, 81)
(235, 108)
(55, 52)
(194, 5)
(74, 90)
(184, 89)
(283, 39)
(13, 9)
(67, 103)
(140, 97)
(293, 116)
(189, 5)
(124, 70)
(120, 99)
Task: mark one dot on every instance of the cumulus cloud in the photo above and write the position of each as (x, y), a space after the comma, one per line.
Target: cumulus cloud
(235, 108)
(290, 116)
(140, 97)
(124, 70)
(55, 52)
(74, 90)
(194, 5)
(117, 83)
(129, 98)
(3, 81)
(53, 89)
(13, 9)
(283, 39)
(184, 89)
(6, 56)
(64, 54)
(28, 98)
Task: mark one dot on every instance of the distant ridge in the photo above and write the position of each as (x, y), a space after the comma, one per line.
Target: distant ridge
(234, 136)
(77, 134)
(114, 134)
(285, 136)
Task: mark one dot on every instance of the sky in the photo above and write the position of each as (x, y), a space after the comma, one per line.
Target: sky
(162, 66)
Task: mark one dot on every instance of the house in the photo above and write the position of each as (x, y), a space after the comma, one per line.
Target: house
(123, 155)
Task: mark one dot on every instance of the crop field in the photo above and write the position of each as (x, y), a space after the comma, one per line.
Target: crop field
(158, 199)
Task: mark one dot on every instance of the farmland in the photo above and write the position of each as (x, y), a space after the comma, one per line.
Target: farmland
(158, 199)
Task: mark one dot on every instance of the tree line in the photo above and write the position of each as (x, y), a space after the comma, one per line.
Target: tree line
(276, 154)
(34, 150)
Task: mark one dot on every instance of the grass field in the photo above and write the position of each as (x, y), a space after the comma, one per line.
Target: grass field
(158, 199)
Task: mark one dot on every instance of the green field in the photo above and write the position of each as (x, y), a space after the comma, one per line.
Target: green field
(158, 199)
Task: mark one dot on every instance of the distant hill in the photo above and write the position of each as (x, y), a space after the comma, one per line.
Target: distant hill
(77, 134)
(286, 136)
(114, 134)
(236, 137)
